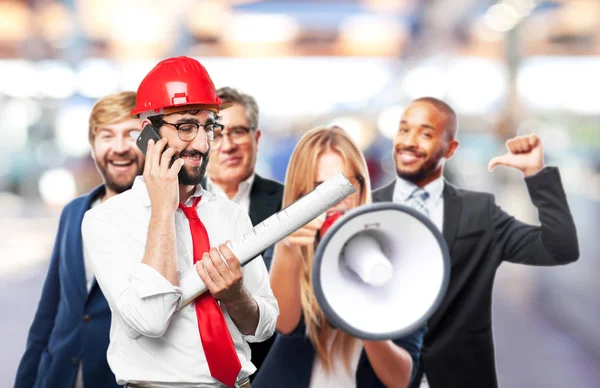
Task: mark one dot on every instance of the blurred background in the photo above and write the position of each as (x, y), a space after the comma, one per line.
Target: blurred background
(508, 67)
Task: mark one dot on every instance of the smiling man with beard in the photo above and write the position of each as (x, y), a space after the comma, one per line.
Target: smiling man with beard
(140, 242)
(69, 336)
(458, 349)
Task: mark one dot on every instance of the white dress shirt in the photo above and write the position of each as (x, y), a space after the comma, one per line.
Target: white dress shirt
(89, 280)
(434, 204)
(153, 341)
(242, 197)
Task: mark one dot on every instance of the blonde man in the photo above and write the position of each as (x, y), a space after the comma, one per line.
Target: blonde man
(69, 336)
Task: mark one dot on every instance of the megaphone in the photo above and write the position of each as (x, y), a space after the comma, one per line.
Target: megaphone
(380, 271)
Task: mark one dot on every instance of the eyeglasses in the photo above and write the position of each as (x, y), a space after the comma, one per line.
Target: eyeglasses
(237, 135)
(188, 131)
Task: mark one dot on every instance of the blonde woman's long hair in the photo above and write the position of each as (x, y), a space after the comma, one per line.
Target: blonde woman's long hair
(300, 180)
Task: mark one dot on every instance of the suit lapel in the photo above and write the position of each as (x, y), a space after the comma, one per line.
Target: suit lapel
(78, 264)
(386, 193)
(260, 201)
(452, 210)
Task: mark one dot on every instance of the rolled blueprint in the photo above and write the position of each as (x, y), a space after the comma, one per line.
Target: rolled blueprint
(274, 229)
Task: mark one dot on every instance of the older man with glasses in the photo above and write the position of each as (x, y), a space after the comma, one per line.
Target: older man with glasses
(230, 173)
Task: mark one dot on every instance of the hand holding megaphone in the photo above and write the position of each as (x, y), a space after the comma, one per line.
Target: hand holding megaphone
(306, 234)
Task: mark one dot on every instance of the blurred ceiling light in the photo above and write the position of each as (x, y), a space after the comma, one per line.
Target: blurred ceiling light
(349, 81)
(425, 80)
(541, 83)
(18, 115)
(388, 121)
(482, 31)
(97, 78)
(357, 129)
(501, 17)
(373, 35)
(18, 78)
(72, 129)
(57, 187)
(388, 5)
(581, 16)
(476, 85)
(582, 81)
(133, 28)
(54, 21)
(55, 79)
(207, 18)
(522, 7)
(15, 21)
(95, 16)
(131, 73)
(264, 28)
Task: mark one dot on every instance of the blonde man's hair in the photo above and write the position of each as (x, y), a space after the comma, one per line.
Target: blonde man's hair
(111, 109)
(300, 180)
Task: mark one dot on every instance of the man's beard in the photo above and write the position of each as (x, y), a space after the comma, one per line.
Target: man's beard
(429, 166)
(197, 174)
(118, 185)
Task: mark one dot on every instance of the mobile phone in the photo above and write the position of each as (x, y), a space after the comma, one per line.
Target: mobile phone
(150, 133)
(147, 133)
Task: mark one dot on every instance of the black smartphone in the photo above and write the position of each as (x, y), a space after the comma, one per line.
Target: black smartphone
(147, 133)
(150, 133)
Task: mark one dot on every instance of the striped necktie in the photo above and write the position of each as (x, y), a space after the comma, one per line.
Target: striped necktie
(417, 199)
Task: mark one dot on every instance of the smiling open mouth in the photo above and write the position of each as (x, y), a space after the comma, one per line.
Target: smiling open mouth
(121, 163)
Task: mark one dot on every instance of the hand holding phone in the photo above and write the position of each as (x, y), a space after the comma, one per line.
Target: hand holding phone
(150, 133)
(147, 133)
(161, 171)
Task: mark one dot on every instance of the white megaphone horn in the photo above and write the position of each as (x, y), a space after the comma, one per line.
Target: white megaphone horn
(380, 271)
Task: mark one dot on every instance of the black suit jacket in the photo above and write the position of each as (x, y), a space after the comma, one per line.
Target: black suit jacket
(458, 349)
(265, 200)
(266, 197)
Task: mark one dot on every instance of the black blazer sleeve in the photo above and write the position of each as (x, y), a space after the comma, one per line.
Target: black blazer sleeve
(554, 242)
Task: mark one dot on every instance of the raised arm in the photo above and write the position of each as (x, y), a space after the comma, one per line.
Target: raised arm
(142, 291)
(286, 271)
(555, 241)
(395, 362)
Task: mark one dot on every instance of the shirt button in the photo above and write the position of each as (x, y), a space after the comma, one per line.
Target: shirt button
(86, 318)
(74, 360)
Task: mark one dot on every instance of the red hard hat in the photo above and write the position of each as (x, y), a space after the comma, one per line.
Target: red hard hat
(175, 82)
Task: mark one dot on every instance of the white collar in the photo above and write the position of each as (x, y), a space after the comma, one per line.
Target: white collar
(244, 185)
(404, 189)
(141, 193)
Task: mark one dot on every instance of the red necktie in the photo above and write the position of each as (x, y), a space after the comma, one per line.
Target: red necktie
(220, 353)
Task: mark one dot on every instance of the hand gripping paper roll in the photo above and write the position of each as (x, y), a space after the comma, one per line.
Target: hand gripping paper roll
(274, 229)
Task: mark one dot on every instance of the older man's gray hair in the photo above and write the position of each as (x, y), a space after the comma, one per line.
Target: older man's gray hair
(234, 96)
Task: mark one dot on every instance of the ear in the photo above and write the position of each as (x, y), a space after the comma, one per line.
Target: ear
(451, 149)
(257, 136)
(144, 122)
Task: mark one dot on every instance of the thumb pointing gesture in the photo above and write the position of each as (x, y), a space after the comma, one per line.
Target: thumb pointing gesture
(524, 153)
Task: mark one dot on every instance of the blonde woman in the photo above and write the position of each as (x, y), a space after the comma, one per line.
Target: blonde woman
(309, 352)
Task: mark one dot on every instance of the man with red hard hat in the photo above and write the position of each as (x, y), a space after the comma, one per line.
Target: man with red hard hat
(141, 241)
